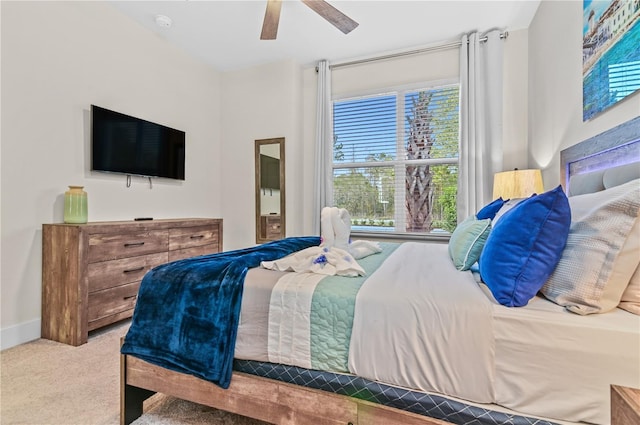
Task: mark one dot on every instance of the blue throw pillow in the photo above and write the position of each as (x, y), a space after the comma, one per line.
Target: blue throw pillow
(490, 210)
(525, 246)
(467, 240)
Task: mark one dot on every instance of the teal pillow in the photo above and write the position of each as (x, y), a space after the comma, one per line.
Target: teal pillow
(467, 240)
(525, 246)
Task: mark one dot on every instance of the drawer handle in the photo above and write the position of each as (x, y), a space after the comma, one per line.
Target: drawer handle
(197, 236)
(131, 297)
(134, 270)
(127, 245)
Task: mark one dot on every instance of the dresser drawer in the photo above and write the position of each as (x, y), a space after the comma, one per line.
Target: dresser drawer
(189, 237)
(103, 247)
(270, 228)
(179, 254)
(112, 301)
(107, 274)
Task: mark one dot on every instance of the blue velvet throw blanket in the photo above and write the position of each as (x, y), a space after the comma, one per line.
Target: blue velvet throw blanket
(187, 312)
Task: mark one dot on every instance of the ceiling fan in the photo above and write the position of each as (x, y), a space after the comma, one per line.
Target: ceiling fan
(321, 7)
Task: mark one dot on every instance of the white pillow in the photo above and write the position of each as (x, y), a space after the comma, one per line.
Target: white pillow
(505, 207)
(602, 251)
(621, 174)
(586, 183)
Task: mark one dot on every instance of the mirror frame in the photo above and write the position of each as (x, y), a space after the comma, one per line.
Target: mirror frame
(259, 143)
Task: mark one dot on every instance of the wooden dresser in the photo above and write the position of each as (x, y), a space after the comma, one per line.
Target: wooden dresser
(625, 405)
(270, 227)
(91, 272)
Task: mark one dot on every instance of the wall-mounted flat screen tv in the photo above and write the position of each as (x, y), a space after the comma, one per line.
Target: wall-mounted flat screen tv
(124, 144)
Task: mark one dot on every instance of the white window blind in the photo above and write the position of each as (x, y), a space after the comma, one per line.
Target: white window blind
(395, 159)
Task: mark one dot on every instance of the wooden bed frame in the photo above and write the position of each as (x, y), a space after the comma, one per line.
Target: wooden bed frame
(259, 398)
(282, 403)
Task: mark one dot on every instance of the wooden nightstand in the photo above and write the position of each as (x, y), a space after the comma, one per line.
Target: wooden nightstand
(625, 405)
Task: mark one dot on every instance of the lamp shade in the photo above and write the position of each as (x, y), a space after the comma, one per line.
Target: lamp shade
(517, 184)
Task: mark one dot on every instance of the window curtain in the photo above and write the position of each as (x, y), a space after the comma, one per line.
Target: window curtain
(480, 120)
(324, 146)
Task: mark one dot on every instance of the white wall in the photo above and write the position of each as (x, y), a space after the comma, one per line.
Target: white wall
(516, 100)
(58, 58)
(259, 103)
(555, 88)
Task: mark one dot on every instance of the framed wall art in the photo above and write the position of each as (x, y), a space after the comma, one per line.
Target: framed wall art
(610, 53)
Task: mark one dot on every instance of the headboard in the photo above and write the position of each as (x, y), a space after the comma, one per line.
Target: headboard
(605, 160)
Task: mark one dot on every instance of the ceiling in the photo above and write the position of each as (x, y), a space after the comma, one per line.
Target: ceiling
(226, 34)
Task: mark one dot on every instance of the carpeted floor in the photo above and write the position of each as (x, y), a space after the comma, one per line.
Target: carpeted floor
(47, 383)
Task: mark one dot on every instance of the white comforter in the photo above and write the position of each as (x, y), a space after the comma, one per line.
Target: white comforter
(427, 326)
(434, 328)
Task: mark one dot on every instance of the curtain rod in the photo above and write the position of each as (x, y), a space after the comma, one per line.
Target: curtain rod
(408, 52)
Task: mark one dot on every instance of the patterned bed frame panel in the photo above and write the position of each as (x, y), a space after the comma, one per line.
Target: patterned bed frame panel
(615, 147)
(424, 404)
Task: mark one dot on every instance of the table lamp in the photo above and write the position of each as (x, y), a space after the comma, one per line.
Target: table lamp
(517, 184)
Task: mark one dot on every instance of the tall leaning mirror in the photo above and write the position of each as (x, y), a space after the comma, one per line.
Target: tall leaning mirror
(270, 189)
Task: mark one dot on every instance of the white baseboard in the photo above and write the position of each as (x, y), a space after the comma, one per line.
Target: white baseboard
(19, 334)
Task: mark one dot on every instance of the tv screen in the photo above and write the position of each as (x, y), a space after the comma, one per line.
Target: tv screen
(124, 144)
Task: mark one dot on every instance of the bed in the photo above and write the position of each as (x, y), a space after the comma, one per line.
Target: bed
(548, 359)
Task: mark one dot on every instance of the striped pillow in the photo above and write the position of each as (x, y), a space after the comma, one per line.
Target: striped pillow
(602, 251)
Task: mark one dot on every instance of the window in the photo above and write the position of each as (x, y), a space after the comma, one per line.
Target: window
(395, 160)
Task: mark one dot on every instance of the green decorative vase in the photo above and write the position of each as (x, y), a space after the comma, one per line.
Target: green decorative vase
(75, 205)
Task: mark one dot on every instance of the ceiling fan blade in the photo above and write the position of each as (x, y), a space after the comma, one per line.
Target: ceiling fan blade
(271, 19)
(333, 15)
